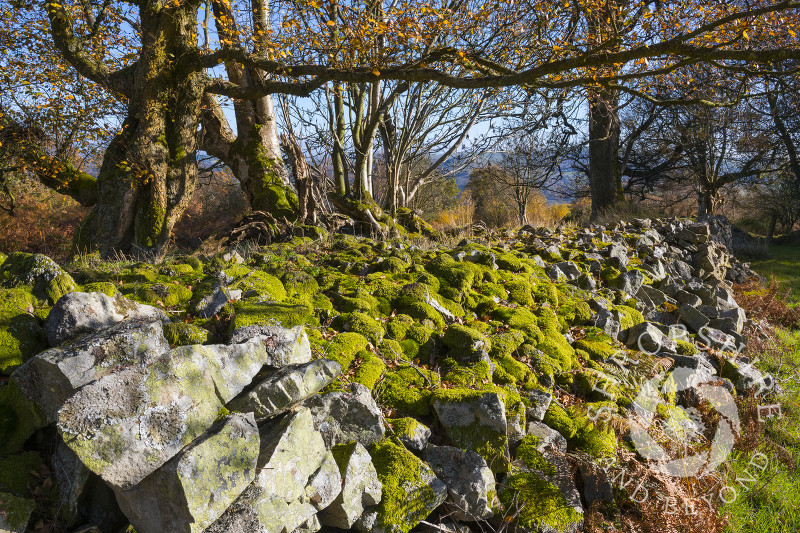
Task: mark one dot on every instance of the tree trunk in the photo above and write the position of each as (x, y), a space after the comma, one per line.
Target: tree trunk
(302, 179)
(149, 171)
(605, 179)
(255, 155)
(339, 159)
(773, 220)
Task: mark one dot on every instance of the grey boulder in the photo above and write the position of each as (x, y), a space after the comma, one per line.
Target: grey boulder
(195, 487)
(286, 387)
(78, 313)
(342, 417)
(470, 482)
(360, 487)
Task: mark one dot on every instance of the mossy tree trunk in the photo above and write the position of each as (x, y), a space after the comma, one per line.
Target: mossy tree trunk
(254, 155)
(149, 171)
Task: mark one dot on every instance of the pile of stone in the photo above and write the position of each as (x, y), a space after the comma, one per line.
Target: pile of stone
(257, 435)
(689, 292)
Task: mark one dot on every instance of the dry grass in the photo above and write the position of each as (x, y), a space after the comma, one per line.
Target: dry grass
(768, 303)
(43, 221)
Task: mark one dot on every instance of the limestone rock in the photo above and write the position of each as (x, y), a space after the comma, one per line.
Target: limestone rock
(647, 337)
(692, 317)
(195, 487)
(214, 302)
(477, 423)
(342, 417)
(276, 501)
(126, 425)
(50, 378)
(360, 487)
(411, 490)
(470, 482)
(286, 346)
(88, 312)
(540, 401)
(286, 388)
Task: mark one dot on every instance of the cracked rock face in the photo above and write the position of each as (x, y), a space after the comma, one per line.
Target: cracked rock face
(470, 482)
(126, 425)
(286, 388)
(79, 313)
(196, 486)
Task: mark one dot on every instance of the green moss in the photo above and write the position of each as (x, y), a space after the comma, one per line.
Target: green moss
(16, 472)
(545, 292)
(404, 427)
(536, 503)
(686, 348)
(106, 287)
(183, 334)
(19, 419)
(287, 313)
(360, 323)
(410, 349)
(495, 290)
(361, 301)
(369, 369)
(519, 292)
(16, 512)
(594, 386)
(397, 326)
(521, 319)
(261, 285)
(407, 389)
(344, 347)
(575, 313)
(21, 336)
(164, 294)
(506, 343)
(597, 350)
(390, 349)
(629, 316)
(407, 497)
(467, 376)
(518, 371)
(509, 262)
(464, 340)
(460, 276)
(59, 286)
(299, 284)
(422, 311)
(579, 431)
(557, 348)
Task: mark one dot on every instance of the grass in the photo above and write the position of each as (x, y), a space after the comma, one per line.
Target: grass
(771, 503)
(784, 264)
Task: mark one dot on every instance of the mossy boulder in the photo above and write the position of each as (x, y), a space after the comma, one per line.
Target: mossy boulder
(163, 294)
(344, 347)
(464, 341)
(19, 418)
(47, 280)
(259, 285)
(21, 336)
(580, 432)
(182, 334)
(476, 421)
(411, 491)
(397, 326)
(407, 389)
(530, 495)
(299, 284)
(288, 313)
(362, 324)
(369, 370)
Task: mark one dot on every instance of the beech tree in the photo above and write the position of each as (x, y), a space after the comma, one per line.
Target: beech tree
(149, 171)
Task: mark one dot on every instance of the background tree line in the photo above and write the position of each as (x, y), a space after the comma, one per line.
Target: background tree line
(127, 106)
